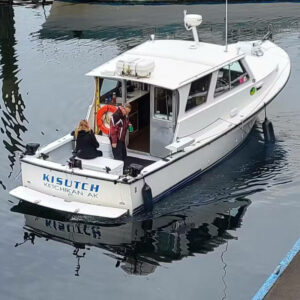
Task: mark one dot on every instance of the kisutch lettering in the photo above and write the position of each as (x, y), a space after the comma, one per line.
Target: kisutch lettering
(68, 185)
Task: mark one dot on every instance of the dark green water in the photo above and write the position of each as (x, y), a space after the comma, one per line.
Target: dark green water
(217, 238)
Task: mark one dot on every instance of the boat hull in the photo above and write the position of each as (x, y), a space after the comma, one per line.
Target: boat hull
(73, 187)
(197, 162)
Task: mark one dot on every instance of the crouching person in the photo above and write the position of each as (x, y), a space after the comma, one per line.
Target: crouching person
(119, 123)
(86, 143)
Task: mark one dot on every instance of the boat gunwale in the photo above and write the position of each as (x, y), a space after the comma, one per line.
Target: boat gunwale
(70, 171)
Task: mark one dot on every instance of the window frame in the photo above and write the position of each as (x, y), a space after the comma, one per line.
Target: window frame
(169, 117)
(107, 94)
(190, 97)
(230, 82)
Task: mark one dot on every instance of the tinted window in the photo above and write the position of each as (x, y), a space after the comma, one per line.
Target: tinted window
(163, 104)
(198, 92)
(110, 86)
(229, 77)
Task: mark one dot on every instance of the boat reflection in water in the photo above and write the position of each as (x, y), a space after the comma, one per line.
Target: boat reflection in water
(140, 246)
(134, 23)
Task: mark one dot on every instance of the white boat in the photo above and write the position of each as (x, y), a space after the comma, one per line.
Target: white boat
(193, 104)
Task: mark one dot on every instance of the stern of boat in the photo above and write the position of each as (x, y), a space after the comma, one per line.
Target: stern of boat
(73, 190)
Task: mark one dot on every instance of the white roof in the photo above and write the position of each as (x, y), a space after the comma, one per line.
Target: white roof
(177, 62)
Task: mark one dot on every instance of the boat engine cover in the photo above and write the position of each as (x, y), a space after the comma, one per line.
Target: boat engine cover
(135, 169)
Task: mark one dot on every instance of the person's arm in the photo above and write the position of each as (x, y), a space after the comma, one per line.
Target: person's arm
(95, 142)
(115, 123)
(114, 134)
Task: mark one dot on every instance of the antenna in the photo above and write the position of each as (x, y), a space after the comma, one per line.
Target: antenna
(191, 22)
(226, 25)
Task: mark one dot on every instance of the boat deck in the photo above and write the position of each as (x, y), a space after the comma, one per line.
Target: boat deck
(135, 160)
(64, 152)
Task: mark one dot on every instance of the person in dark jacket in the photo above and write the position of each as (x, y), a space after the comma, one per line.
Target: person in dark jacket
(119, 123)
(86, 143)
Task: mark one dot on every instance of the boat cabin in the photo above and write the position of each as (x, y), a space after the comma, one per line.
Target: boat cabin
(153, 113)
(176, 89)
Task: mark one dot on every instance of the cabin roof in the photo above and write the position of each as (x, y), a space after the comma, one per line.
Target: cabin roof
(177, 62)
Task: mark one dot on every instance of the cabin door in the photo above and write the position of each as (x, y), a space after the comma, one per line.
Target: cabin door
(163, 120)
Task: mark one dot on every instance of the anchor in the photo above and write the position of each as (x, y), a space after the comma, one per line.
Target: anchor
(268, 129)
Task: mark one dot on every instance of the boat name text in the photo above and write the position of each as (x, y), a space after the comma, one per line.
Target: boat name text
(90, 231)
(72, 187)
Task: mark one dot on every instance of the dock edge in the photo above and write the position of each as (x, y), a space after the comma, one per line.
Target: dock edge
(262, 292)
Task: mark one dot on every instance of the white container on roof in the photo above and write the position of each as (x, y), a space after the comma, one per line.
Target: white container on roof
(137, 67)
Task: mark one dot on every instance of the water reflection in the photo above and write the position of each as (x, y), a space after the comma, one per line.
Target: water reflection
(197, 219)
(12, 104)
(140, 246)
(134, 23)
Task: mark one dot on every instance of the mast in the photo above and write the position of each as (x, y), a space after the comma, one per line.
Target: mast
(226, 24)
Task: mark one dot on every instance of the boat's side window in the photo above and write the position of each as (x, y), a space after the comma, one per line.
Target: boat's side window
(163, 104)
(198, 92)
(108, 88)
(229, 77)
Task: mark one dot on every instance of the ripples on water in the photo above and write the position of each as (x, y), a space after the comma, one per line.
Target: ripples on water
(200, 217)
(12, 105)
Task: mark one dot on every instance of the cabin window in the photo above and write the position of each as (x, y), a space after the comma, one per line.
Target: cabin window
(198, 92)
(135, 90)
(110, 86)
(163, 104)
(229, 77)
